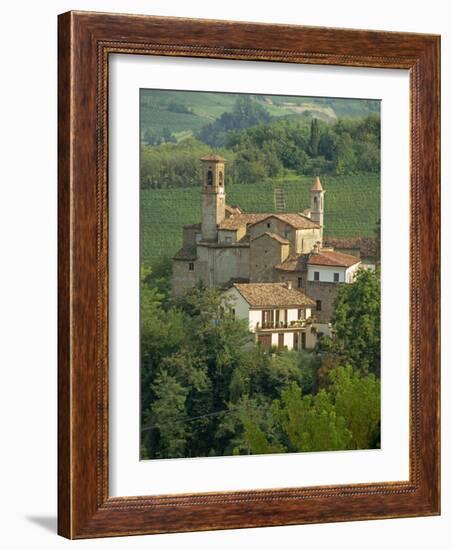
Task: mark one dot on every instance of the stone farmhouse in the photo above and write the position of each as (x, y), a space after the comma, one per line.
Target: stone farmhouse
(273, 264)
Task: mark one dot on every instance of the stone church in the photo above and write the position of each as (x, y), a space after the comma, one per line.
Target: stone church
(230, 248)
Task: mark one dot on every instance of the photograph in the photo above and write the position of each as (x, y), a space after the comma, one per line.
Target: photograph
(222, 258)
(260, 274)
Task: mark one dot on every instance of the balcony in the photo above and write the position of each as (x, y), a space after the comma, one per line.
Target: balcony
(281, 325)
(271, 325)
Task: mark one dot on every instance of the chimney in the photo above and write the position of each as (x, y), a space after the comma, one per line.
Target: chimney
(315, 248)
(289, 285)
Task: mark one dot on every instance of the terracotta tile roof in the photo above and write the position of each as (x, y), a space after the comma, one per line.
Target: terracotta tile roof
(332, 258)
(213, 158)
(232, 209)
(295, 262)
(274, 236)
(317, 186)
(365, 245)
(188, 253)
(296, 220)
(238, 220)
(263, 295)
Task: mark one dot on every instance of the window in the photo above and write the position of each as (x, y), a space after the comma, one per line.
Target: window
(209, 177)
(268, 224)
(191, 266)
(318, 305)
(267, 318)
(316, 276)
(220, 179)
(281, 340)
(336, 277)
(301, 314)
(300, 282)
(228, 239)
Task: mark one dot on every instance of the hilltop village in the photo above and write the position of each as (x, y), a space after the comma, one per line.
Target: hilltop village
(275, 267)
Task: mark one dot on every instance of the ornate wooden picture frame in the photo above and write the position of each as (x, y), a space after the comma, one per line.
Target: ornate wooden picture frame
(86, 40)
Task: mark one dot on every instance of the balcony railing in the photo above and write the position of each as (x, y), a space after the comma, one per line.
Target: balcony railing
(281, 324)
(300, 323)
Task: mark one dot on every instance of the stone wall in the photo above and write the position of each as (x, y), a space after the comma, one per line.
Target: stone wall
(213, 213)
(219, 264)
(326, 293)
(189, 236)
(273, 225)
(305, 239)
(182, 278)
(265, 253)
(293, 276)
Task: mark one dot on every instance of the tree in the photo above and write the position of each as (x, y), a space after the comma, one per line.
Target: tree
(166, 415)
(248, 427)
(190, 372)
(314, 138)
(310, 422)
(357, 400)
(345, 415)
(346, 161)
(245, 113)
(356, 320)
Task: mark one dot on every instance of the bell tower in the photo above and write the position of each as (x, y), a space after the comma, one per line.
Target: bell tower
(317, 193)
(213, 196)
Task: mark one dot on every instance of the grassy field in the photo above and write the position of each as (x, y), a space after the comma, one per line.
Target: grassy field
(352, 207)
(205, 108)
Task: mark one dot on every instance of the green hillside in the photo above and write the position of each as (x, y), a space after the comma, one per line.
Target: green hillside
(164, 211)
(202, 108)
(184, 113)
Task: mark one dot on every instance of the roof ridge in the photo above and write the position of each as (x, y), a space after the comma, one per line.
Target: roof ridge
(334, 258)
(260, 295)
(272, 235)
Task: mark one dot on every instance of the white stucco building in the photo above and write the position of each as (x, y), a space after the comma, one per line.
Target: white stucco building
(278, 314)
(328, 266)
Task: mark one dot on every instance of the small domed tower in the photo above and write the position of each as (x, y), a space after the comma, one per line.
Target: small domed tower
(213, 196)
(317, 193)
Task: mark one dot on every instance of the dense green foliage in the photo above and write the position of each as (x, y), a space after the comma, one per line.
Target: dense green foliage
(245, 113)
(164, 211)
(257, 149)
(208, 390)
(307, 147)
(172, 165)
(356, 320)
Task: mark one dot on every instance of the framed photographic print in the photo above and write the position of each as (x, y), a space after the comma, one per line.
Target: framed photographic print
(248, 275)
